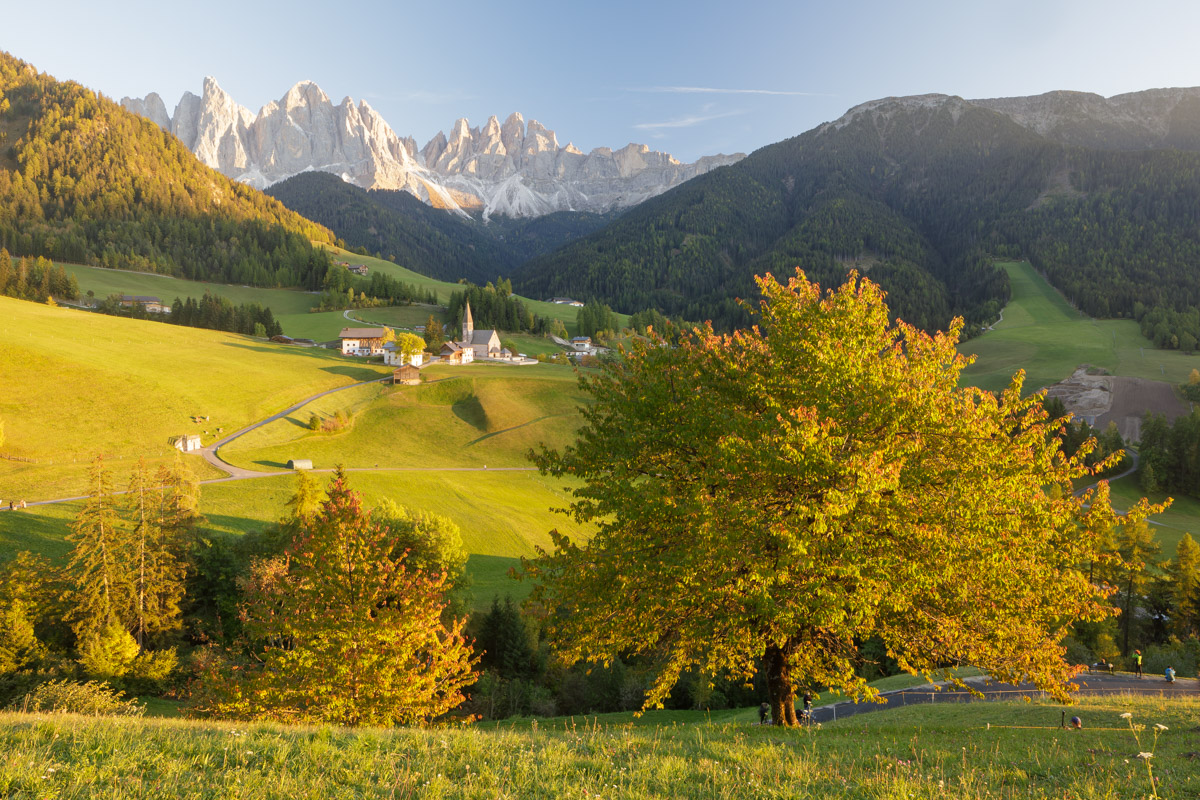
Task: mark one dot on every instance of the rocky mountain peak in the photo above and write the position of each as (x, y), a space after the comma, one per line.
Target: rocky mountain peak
(516, 168)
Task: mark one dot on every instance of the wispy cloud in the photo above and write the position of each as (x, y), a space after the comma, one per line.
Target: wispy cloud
(714, 90)
(684, 122)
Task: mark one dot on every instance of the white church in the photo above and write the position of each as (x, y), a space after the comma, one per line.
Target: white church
(484, 343)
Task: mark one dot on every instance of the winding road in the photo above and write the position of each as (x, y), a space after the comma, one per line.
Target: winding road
(235, 473)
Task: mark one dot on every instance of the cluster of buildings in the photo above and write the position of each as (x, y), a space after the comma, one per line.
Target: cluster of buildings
(482, 344)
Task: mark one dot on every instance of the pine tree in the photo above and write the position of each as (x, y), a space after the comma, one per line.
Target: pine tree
(157, 569)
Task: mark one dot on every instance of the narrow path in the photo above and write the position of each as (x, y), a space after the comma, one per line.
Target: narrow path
(249, 475)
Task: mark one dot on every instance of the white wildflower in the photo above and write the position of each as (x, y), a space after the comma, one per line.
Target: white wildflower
(1158, 726)
(1126, 715)
(1145, 756)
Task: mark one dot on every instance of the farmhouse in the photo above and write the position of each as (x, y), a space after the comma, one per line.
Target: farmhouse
(565, 301)
(394, 358)
(148, 302)
(484, 343)
(452, 353)
(581, 344)
(407, 375)
(362, 341)
(359, 269)
(188, 443)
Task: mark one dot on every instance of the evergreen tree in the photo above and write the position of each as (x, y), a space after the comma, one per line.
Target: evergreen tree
(99, 568)
(1185, 572)
(1137, 548)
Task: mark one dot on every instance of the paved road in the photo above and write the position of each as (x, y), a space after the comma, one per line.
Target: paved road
(210, 453)
(1091, 683)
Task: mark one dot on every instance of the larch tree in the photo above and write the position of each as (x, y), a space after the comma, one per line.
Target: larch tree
(99, 568)
(342, 630)
(771, 498)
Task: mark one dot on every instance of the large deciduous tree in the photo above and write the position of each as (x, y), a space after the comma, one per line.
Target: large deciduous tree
(771, 498)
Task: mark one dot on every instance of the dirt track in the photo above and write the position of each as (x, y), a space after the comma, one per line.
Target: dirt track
(1101, 399)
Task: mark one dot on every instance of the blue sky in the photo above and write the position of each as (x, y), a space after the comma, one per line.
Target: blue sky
(691, 78)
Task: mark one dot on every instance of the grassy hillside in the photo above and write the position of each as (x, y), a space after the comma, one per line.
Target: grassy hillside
(124, 386)
(443, 289)
(290, 306)
(993, 750)
(471, 416)
(1042, 334)
(88, 383)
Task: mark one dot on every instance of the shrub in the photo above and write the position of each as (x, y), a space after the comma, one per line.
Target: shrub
(93, 698)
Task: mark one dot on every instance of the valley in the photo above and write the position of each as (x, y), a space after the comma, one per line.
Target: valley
(538, 533)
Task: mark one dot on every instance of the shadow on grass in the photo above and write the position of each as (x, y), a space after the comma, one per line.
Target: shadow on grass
(490, 578)
(238, 526)
(274, 464)
(470, 411)
(43, 534)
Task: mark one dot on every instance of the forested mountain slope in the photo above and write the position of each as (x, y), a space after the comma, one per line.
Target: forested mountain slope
(83, 180)
(427, 240)
(919, 194)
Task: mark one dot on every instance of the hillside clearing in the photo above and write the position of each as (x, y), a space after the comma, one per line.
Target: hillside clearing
(1042, 334)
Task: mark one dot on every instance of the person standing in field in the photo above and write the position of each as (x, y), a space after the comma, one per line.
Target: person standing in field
(1137, 662)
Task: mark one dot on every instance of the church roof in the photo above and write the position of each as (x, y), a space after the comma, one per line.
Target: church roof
(467, 317)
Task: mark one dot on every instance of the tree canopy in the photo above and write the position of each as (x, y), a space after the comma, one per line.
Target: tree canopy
(772, 498)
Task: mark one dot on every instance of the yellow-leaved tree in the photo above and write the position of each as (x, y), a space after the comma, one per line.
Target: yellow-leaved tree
(772, 498)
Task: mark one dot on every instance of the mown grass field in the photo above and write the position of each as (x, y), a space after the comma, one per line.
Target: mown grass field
(463, 418)
(981, 750)
(1042, 334)
(77, 384)
(473, 416)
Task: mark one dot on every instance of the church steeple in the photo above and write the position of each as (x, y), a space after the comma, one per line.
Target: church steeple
(468, 325)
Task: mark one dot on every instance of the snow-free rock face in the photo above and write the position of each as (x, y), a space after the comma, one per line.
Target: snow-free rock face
(515, 168)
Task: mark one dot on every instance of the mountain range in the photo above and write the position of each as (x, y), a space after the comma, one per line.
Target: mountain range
(922, 194)
(515, 168)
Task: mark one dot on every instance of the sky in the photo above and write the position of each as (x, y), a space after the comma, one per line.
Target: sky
(690, 78)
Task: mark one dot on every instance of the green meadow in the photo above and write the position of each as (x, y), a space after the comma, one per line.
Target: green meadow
(468, 416)
(290, 306)
(970, 751)
(126, 386)
(443, 289)
(77, 384)
(1042, 334)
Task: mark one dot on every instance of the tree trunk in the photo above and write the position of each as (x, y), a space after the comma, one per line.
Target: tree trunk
(780, 686)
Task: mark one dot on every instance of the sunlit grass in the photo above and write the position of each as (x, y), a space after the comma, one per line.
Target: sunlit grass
(983, 750)
(1042, 334)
